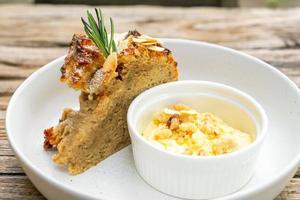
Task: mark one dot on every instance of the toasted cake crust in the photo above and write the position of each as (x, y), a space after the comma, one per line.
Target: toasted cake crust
(83, 59)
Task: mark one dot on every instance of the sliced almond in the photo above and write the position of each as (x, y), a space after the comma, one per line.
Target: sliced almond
(139, 40)
(180, 107)
(103, 75)
(171, 112)
(156, 48)
(110, 63)
(94, 86)
(148, 43)
(152, 40)
(122, 44)
(143, 39)
(189, 112)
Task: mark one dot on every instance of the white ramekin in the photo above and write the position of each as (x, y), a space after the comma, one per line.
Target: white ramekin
(196, 177)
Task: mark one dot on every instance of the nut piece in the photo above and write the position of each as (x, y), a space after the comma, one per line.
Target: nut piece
(163, 134)
(171, 111)
(156, 48)
(139, 40)
(188, 127)
(111, 62)
(149, 43)
(103, 75)
(180, 107)
(145, 39)
(173, 122)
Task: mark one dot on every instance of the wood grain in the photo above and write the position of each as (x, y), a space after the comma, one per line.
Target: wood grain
(292, 191)
(17, 187)
(31, 36)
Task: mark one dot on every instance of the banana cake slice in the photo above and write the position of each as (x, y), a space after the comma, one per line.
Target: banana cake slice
(108, 83)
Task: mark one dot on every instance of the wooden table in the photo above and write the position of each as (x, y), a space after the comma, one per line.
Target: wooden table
(33, 35)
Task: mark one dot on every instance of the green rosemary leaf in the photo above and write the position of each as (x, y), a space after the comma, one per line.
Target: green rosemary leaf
(96, 31)
(114, 47)
(112, 35)
(99, 21)
(102, 25)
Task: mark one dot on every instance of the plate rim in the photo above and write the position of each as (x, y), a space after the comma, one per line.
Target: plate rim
(239, 194)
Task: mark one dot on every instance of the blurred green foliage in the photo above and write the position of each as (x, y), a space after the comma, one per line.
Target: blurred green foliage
(274, 3)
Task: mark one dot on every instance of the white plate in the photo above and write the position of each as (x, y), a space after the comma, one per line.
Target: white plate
(39, 101)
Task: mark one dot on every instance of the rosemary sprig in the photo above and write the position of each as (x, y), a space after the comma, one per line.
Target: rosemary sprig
(97, 32)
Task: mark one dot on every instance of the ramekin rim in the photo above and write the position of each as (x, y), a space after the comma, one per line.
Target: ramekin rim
(256, 143)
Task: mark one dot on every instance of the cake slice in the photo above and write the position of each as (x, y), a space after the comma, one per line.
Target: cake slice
(98, 129)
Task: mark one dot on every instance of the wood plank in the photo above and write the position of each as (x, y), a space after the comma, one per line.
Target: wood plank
(291, 191)
(3, 133)
(9, 72)
(297, 175)
(53, 26)
(9, 86)
(17, 188)
(4, 102)
(5, 149)
(2, 114)
(20, 187)
(10, 165)
(27, 57)
(2, 124)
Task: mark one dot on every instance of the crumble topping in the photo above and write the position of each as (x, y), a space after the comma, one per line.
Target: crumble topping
(183, 130)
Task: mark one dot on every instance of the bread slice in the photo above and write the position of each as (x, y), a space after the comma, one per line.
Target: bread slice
(84, 138)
